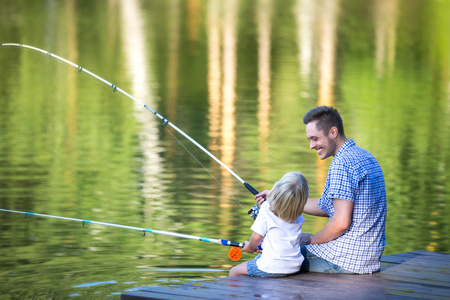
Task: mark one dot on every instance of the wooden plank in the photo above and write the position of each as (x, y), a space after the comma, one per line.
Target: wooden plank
(430, 253)
(273, 287)
(396, 277)
(419, 274)
(270, 287)
(182, 292)
(398, 258)
(301, 291)
(154, 294)
(378, 283)
(435, 264)
(225, 289)
(422, 274)
(428, 259)
(293, 287)
(263, 288)
(264, 291)
(417, 270)
(409, 295)
(189, 292)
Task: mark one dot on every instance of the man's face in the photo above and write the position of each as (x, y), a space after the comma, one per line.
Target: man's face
(325, 145)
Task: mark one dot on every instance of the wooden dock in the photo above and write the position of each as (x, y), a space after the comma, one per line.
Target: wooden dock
(418, 275)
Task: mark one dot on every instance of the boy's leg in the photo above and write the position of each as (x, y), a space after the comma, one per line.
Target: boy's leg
(240, 269)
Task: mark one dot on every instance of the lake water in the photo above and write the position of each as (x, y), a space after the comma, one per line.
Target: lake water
(236, 76)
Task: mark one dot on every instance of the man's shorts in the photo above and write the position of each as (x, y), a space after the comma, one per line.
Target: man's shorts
(313, 263)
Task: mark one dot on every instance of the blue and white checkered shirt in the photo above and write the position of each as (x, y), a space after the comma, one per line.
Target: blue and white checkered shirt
(355, 175)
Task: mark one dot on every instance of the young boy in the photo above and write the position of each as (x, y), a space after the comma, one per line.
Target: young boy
(277, 229)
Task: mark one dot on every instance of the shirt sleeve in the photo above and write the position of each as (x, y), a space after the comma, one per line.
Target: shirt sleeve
(343, 183)
(260, 224)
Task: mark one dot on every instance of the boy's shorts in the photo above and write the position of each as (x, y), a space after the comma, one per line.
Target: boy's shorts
(252, 270)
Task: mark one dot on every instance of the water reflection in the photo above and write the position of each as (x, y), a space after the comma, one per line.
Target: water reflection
(235, 75)
(139, 71)
(264, 16)
(71, 93)
(222, 31)
(305, 13)
(385, 18)
(229, 60)
(214, 73)
(327, 22)
(173, 68)
(327, 41)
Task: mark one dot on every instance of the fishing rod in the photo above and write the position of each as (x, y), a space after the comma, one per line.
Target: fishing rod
(235, 252)
(252, 211)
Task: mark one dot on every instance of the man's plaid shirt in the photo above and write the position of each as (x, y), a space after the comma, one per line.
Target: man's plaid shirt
(356, 176)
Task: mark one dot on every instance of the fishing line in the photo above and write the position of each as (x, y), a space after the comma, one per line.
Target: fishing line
(215, 178)
(253, 211)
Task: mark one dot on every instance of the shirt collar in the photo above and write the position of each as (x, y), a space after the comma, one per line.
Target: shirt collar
(349, 143)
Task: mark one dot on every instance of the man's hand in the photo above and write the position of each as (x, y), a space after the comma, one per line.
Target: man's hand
(305, 238)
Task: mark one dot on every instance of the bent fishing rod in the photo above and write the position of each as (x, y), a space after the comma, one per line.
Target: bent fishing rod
(253, 211)
(234, 254)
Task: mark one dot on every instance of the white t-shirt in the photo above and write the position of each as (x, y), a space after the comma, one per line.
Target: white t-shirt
(281, 249)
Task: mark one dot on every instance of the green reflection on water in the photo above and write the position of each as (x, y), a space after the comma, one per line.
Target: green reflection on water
(71, 147)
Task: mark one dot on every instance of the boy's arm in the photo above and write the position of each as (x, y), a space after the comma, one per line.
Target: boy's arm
(312, 208)
(261, 197)
(255, 241)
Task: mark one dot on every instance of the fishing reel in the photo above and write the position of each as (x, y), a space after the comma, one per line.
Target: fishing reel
(254, 211)
(235, 253)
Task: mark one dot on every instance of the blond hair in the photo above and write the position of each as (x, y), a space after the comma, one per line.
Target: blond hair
(288, 196)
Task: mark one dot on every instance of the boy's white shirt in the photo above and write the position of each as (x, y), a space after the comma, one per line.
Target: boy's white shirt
(281, 248)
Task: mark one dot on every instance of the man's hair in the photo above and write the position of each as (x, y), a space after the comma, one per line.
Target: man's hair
(327, 117)
(288, 196)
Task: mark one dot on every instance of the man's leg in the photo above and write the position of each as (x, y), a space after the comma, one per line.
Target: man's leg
(313, 263)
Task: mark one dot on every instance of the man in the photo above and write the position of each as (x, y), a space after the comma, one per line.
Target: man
(354, 199)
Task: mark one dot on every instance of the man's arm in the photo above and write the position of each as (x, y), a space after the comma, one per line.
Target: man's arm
(336, 226)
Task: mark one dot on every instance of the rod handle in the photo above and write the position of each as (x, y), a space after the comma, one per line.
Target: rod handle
(251, 189)
(254, 210)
